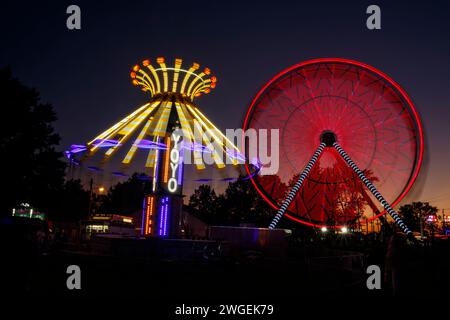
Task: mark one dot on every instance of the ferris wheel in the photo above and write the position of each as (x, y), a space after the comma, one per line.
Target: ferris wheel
(351, 143)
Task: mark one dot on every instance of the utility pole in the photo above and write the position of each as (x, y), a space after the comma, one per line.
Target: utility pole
(421, 223)
(91, 182)
(443, 220)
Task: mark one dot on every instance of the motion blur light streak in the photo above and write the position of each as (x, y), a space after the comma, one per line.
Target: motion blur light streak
(165, 131)
(373, 119)
(154, 116)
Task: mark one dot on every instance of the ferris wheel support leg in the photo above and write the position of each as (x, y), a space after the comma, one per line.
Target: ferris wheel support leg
(372, 189)
(291, 195)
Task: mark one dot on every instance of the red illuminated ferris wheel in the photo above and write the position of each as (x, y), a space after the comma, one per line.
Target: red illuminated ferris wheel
(351, 143)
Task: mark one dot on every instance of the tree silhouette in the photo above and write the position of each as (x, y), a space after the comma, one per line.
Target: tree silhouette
(203, 204)
(125, 197)
(32, 170)
(72, 202)
(239, 204)
(415, 214)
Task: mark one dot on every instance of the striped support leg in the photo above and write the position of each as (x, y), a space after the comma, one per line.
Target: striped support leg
(372, 189)
(291, 195)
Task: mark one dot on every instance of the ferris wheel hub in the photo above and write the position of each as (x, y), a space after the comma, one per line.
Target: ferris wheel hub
(328, 137)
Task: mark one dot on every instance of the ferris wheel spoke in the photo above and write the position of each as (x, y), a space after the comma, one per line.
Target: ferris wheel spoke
(372, 189)
(291, 195)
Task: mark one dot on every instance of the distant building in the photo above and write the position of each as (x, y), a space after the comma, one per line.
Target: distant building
(24, 210)
(107, 223)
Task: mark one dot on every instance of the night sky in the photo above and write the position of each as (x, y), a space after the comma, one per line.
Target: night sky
(85, 73)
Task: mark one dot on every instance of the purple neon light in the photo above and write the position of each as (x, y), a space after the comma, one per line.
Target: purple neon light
(257, 166)
(180, 169)
(144, 177)
(202, 180)
(256, 162)
(119, 174)
(235, 155)
(148, 144)
(75, 148)
(166, 209)
(101, 143)
(255, 235)
(93, 168)
(229, 179)
(195, 146)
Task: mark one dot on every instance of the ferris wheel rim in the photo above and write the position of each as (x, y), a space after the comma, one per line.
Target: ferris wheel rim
(394, 84)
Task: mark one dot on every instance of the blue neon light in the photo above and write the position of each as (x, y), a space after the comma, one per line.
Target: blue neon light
(161, 219)
(144, 207)
(148, 144)
(166, 209)
(164, 217)
(180, 169)
(155, 172)
(105, 143)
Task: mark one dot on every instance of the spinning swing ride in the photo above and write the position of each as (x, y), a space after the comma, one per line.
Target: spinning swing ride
(159, 135)
(351, 142)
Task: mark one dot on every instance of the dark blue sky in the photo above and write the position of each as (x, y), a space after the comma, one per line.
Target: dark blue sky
(85, 74)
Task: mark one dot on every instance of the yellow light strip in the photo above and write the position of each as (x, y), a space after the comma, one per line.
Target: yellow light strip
(143, 81)
(106, 134)
(141, 136)
(208, 129)
(149, 81)
(188, 73)
(154, 129)
(229, 143)
(163, 66)
(186, 125)
(212, 130)
(200, 87)
(161, 127)
(129, 129)
(191, 70)
(151, 158)
(156, 77)
(176, 74)
(156, 116)
(209, 144)
(200, 76)
(118, 124)
(131, 126)
(133, 148)
(166, 161)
